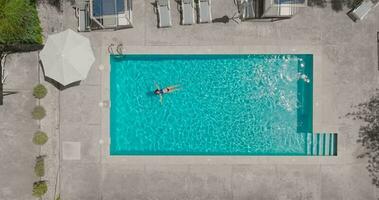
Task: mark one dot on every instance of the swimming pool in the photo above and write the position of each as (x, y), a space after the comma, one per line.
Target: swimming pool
(226, 105)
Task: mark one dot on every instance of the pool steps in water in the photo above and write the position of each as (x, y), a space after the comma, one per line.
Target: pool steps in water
(322, 144)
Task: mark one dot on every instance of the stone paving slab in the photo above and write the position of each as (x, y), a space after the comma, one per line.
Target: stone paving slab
(124, 181)
(71, 150)
(88, 136)
(16, 112)
(298, 182)
(21, 69)
(17, 155)
(346, 182)
(167, 182)
(254, 181)
(210, 182)
(80, 105)
(80, 181)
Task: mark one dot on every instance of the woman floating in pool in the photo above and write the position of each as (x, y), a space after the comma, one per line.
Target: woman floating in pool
(166, 90)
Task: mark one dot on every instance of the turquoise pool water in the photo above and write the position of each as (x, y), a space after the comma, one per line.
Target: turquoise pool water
(227, 104)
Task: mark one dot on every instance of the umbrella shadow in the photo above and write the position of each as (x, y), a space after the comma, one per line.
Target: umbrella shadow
(60, 86)
(55, 83)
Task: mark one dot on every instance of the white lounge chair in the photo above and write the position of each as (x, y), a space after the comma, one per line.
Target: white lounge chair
(188, 15)
(205, 14)
(361, 10)
(246, 9)
(125, 19)
(82, 13)
(164, 13)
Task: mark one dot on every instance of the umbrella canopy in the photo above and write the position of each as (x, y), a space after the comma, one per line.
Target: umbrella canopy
(67, 57)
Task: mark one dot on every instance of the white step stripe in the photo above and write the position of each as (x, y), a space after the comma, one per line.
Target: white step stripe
(327, 136)
(332, 147)
(321, 142)
(315, 144)
(309, 143)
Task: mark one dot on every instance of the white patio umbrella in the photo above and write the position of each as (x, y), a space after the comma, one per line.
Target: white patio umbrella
(67, 57)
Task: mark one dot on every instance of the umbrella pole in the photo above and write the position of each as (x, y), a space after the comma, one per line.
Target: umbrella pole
(2, 56)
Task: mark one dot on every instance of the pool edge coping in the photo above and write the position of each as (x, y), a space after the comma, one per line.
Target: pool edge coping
(207, 159)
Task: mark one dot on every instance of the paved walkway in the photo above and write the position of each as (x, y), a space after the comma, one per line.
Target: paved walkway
(17, 152)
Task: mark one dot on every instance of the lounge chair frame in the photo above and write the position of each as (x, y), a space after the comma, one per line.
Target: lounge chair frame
(161, 5)
(187, 9)
(201, 16)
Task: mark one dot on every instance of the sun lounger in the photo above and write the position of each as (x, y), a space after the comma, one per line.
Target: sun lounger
(188, 16)
(205, 14)
(164, 13)
(82, 13)
(361, 10)
(125, 18)
(246, 9)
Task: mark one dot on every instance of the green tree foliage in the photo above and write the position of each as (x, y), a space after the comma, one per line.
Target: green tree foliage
(40, 138)
(19, 23)
(39, 91)
(38, 112)
(368, 113)
(39, 167)
(39, 188)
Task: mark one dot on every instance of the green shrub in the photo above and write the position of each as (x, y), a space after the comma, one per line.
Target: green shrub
(38, 112)
(39, 188)
(39, 168)
(40, 138)
(39, 91)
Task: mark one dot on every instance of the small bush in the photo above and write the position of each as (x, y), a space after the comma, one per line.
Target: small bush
(39, 91)
(38, 112)
(40, 138)
(39, 168)
(39, 188)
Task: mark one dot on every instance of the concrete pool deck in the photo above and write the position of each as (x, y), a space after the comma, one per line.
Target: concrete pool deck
(346, 73)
